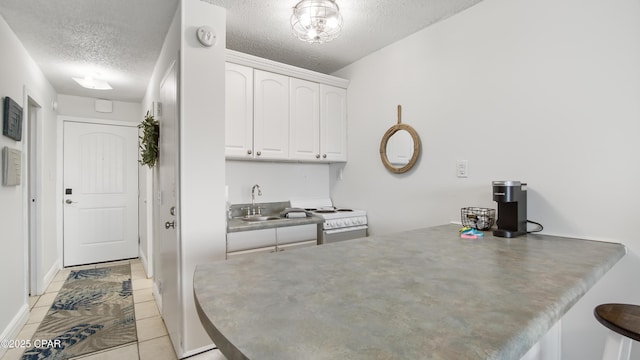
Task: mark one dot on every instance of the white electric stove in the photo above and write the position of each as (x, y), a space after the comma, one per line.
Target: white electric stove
(340, 223)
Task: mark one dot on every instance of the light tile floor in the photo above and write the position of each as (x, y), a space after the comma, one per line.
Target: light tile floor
(153, 340)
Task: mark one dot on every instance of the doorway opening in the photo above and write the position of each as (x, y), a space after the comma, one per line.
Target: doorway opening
(33, 185)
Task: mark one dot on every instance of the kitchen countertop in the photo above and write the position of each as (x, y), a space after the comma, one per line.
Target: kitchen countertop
(237, 224)
(409, 295)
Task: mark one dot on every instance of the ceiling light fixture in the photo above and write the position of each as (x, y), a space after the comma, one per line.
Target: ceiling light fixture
(89, 82)
(316, 21)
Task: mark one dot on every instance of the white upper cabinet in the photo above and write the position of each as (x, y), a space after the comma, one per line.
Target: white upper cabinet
(304, 136)
(333, 123)
(239, 111)
(270, 116)
(318, 122)
(279, 112)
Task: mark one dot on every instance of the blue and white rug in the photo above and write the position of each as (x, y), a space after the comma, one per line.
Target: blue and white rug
(92, 312)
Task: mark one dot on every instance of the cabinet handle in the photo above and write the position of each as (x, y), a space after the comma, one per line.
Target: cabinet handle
(248, 152)
(324, 156)
(317, 156)
(259, 153)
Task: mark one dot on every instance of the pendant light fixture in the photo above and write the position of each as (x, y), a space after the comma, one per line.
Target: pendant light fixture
(316, 21)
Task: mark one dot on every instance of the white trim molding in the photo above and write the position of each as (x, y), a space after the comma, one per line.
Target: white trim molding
(284, 69)
(10, 333)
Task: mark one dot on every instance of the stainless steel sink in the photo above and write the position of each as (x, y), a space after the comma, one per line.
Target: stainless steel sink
(259, 218)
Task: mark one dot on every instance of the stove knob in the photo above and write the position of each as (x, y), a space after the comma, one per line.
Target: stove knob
(340, 222)
(328, 225)
(349, 221)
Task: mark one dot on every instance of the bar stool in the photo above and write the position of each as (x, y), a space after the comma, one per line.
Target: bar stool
(624, 322)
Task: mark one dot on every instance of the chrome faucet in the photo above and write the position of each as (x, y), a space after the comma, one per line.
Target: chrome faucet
(253, 197)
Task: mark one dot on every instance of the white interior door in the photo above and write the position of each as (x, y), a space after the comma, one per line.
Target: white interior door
(100, 192)
(168, 161)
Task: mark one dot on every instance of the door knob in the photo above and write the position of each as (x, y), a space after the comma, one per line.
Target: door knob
(170, 224)
(68, 201)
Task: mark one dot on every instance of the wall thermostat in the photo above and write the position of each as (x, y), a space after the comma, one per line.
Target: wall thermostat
(206, 36)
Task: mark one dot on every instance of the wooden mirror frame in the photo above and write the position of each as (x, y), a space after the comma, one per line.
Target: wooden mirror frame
(385, 139)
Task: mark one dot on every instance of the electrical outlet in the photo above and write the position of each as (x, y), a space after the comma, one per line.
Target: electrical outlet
(462, 168)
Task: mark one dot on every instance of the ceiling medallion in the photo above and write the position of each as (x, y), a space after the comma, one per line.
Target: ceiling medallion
(316, 21)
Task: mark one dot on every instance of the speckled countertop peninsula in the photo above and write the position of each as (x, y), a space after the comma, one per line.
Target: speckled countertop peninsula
(421, 294)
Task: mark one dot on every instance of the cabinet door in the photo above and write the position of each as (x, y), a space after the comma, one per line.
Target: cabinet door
(271, 116)
(238, 111)
(294, 234)
(254, 239)
(333, 123)
(304, 120)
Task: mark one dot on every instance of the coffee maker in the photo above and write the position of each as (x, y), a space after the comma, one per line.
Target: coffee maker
(511, 197)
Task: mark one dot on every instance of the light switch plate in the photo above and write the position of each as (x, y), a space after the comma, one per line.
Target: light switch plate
(462, 168)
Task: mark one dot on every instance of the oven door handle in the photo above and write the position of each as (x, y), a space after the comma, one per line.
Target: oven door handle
(352, 228)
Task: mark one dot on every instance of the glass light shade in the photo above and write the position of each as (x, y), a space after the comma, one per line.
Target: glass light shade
(90, 83)
(316, 21)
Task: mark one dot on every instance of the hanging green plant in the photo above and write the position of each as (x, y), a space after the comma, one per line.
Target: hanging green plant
(149, 140)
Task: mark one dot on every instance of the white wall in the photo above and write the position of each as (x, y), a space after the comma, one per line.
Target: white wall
(523, 93)
(278, 181)
(202, 165)
(202, 162)
(544, 92)
(150, 245)
(84, 107)
(21, 75)
(149, 253)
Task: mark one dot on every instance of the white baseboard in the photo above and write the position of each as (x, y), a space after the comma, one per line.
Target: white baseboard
(145, 264)
(50, 275)
(198, 351)
(14, 327)
(157, 297)
(43, 284)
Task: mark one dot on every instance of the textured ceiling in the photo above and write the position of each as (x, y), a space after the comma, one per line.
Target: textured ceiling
(120, 40)
(261, 28)
(117, 40)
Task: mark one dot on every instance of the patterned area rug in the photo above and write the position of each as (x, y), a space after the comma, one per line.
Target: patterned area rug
(92, 312)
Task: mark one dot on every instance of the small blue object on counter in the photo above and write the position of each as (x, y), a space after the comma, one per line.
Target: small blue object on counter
(467, 232)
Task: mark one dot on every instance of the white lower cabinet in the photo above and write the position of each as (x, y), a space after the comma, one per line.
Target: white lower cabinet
(248, 240)
(293, 234)
(258, 242)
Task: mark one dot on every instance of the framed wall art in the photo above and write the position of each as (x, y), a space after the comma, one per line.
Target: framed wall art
(12, 120)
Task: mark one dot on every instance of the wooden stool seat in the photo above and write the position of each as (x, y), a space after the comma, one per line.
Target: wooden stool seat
(623, 321)
(621, 318)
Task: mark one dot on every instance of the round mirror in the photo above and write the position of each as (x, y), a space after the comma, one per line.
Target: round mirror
(400, 147)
